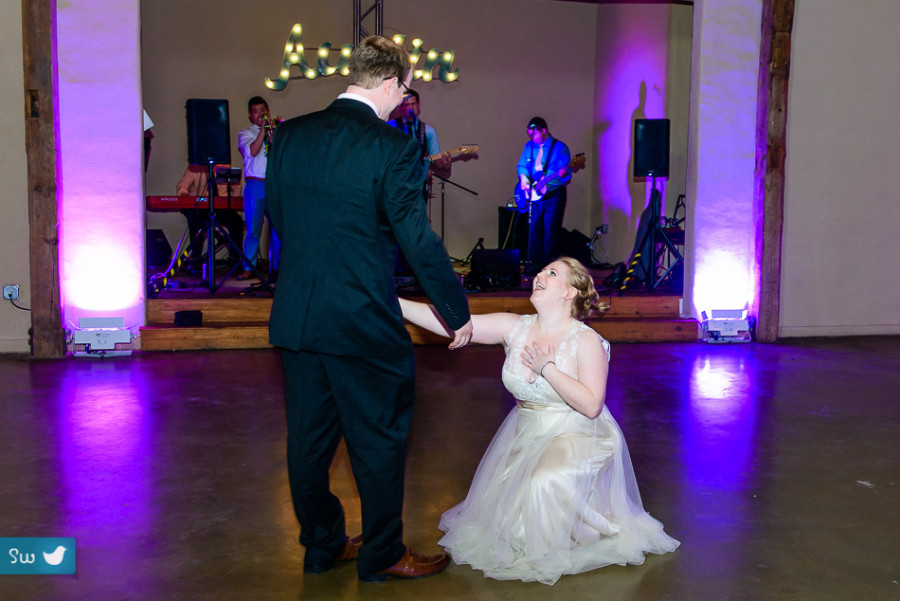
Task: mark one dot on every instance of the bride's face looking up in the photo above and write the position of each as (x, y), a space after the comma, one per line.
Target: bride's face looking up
(551, 285)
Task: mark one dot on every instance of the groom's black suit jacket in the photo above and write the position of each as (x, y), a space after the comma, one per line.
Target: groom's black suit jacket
(343, 189)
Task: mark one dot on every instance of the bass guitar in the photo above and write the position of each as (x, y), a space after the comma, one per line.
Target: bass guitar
(533, 193)
(452, 155)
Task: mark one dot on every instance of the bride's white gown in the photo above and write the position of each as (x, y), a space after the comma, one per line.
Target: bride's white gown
(555, 492)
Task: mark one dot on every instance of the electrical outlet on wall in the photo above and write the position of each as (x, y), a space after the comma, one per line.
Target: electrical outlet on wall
(11, 291)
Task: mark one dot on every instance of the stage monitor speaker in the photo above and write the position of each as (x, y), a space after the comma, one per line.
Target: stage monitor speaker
(574, 244)
(159, 251)
(495, 269)
(512, 230)
(651, 148)
(208, 129)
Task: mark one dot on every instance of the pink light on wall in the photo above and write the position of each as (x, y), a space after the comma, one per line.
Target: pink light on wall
(630, 84)
(100, 172)
(721, 215)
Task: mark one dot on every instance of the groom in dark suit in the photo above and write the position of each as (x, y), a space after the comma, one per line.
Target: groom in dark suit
(344, 189)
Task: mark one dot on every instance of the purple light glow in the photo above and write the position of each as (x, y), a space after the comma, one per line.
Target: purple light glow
(100, 166)
(104, 454)
(631, 84)
(723, 281)
(719, 458)
(721, 211)
(102, 278)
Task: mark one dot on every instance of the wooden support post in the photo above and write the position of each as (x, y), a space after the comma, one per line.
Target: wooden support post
(47, 335)
(771, 139)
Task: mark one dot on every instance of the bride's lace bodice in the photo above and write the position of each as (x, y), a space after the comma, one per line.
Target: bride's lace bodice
(526, 385)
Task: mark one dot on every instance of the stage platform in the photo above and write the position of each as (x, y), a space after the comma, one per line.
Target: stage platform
(236, 315)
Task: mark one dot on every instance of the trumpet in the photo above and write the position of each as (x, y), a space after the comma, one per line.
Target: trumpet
(272, 123)
(269, 126)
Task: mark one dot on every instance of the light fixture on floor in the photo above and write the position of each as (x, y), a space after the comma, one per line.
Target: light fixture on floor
(726, 325)
(99, 336)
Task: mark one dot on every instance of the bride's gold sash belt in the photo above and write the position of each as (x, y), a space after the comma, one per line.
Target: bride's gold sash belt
(540, 406)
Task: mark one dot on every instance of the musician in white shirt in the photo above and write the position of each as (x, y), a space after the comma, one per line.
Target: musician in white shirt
(253, 142)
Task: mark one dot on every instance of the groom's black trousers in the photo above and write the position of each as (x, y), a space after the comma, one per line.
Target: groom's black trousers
(369, 401)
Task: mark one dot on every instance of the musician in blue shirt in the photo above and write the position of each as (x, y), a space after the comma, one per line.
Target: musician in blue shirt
(406, 117)
(544, 171)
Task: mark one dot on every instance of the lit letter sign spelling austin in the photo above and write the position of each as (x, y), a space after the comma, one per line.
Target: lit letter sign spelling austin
(294, 56)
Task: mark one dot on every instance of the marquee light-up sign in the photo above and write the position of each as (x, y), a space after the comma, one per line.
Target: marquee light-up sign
(294, 57)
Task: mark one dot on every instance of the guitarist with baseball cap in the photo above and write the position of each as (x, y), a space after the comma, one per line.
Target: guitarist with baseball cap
(543, 157)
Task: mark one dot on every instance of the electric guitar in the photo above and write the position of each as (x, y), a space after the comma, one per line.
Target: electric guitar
(456, 152)
(452, 154)
(533, 193)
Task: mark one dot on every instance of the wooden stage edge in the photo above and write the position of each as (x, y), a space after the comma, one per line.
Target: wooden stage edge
(233, 321)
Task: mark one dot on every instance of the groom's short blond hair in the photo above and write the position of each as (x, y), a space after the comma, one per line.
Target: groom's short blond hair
(375, 60)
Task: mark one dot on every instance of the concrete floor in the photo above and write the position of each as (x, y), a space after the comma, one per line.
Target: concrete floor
(777, 467)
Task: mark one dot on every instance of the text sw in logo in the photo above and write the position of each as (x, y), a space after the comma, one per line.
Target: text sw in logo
(53, 559)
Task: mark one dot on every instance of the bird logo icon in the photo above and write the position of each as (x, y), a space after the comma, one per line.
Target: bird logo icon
(55, 558)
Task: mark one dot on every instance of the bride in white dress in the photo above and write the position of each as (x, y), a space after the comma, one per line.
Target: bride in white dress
(555, 492)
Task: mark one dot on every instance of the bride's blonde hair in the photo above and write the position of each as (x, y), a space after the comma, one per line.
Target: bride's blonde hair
(586, 301)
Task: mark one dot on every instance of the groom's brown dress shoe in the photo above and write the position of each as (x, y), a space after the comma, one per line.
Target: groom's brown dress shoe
(350, 551)
(411, 566)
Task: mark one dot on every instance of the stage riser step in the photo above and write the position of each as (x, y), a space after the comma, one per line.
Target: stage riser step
(249, 336)
(225, 336)
(220, 310)
(614, 330)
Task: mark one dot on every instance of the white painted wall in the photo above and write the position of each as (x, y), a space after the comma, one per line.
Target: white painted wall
(842, 214)
(14, 263)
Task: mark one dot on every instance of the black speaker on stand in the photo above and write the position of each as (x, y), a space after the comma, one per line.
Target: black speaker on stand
(208, 132)
(651, 159)
(651, 147)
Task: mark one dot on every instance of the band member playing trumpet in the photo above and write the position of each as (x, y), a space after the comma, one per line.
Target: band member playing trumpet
(253, 142)
(542, 156)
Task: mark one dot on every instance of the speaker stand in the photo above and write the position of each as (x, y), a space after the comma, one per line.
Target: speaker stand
(655, 235)
(478, 245)
(213, 231)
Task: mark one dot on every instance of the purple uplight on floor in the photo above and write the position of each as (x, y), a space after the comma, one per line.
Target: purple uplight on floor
(105, 454)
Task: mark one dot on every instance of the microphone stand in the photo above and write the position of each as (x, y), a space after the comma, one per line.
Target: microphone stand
(447, 181)
(529, 250)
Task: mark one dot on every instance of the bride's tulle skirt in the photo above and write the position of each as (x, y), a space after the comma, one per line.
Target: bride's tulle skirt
(555, 494)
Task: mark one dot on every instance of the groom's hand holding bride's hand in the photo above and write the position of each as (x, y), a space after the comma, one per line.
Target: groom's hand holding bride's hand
(462, 336)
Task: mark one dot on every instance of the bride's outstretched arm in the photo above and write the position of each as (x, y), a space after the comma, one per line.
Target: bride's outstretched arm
(492, 328)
